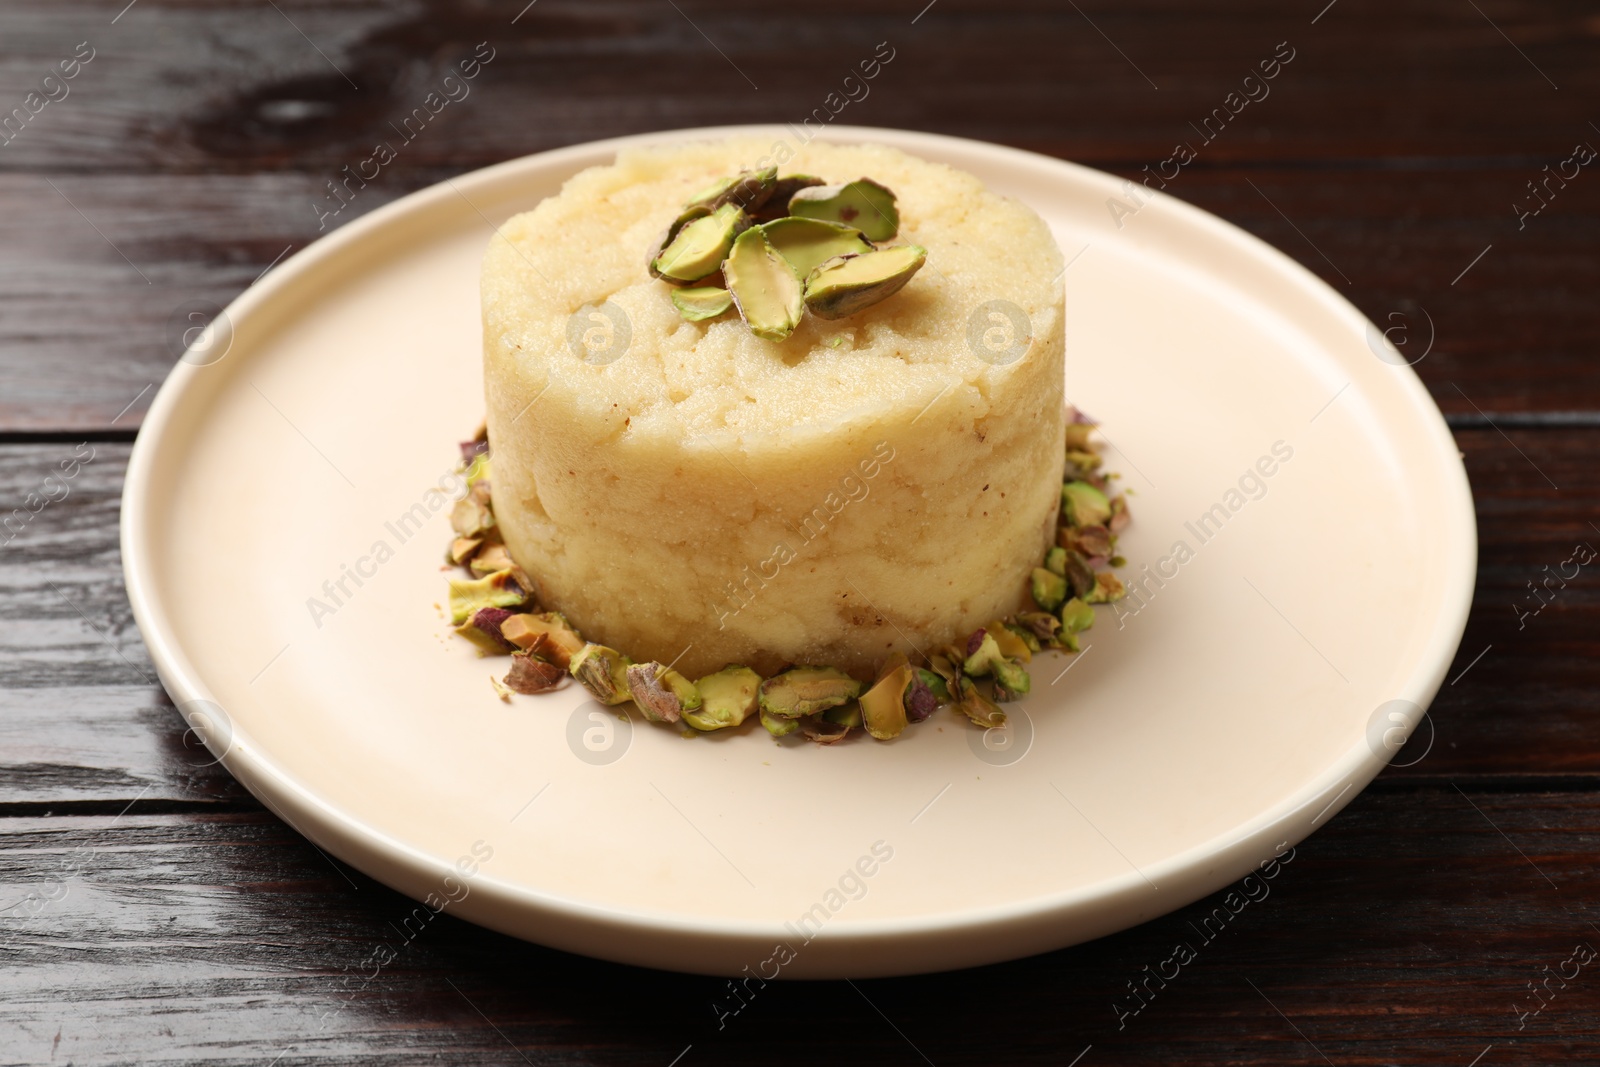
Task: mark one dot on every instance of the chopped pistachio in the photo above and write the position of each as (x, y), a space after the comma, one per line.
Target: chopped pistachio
(462, 548)
(470, 518)
(808, 243)
(981, 660)
(670, 234)
(920, 700)
(661, 692)
(749, 189)
(1026, 636)
(863, 203)
(479, 470)
(765, 288)
(727, 698)
(1119, 514)
(1076, 616)
(1107, 588)
(934, 682)
(844, 714)
(700, 246)
(1080, 576)
(483, 630)
(1084, 461)
(1049, 589)
(883, 708)
(1093, 541)
(530, 674)
(805, 691)
(497, 590)
(1078, 436)
(777, 725)
(1055, 561)
(850, 283)
(492, 558)
(1118, 561)
(1011, 680)
(1012, 646)
(1044, 626)
(603, 671)
(777, 205)
(701, 302)
(977, 707)
(823, 730)
(561, 641)
(1083, 505)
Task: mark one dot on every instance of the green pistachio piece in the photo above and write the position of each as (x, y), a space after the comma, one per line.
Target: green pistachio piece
(844, 714)
(461, 549)
(749, 189)
(1055, 561)
(701, 302)
(847, 284)
(1078, 437)
(779, 726)
(979, 708)
(765, 288)
(603, 671)
(1107, 588)
(529, 674)
(883, 708)
(823, 730)
(809, 243)
(495, 557)
(547, 635)
(1049, 588)
(1043, 625)
(482, 628)
(936, 683)
(661, 692)
(863, 203)
(670, 234)
(479, 471)
(777, 205)
(1076, 616)
(701, 246)
(497, 590)
(1012, 646)
(727, 698)
(469, 518)
(1026, 636)
(1083, 505)
(1080, 578)
(805, 691)
(982, 661)
(1011, 680)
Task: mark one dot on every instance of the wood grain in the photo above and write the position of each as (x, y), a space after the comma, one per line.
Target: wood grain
(226, 939)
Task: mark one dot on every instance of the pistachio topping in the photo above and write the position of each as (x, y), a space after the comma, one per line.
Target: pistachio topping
(1048, 588)
(981, 660)
(1107, 588)
(491, 558)
(727, 698)
(1084, 505)
(777, 725)
(470, 518)
(529, 674)
(603, 671)
(749, 189)
(483, 630)
(883, 708)
(977, 707)
(777, 205)
(560, 642)
(497, 590)
(934, 683)
(808, 243)
(661, 692)
(1044, 626)
(461, 550)
(765, 288)
(806, 690)
(701, 246)
(849, 283)
(1011, 680)
(863, 203)
(1011, 644)
(701, 302)
(823, 730)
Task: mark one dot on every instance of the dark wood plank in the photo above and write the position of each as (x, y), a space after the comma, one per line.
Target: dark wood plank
(1403, 932)
(82, 720)
(176, 85)
(87, 328)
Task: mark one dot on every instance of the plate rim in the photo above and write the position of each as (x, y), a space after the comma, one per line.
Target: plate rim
(971, 936)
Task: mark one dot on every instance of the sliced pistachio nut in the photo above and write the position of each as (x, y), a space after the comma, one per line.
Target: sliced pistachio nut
(1119, 514)
(727, 698)
(1044, 626)
(1055, 561)
(479, 470)
(1027, 637)
(777, 205)
(483, 630)
(883, 708)
(979, 708)
(1012, 646)
(947, 665)
(981, 660)
(804, 691)
(1093, 541)
(461, 549)
(809, 243)
(701, 302)
(1076, 616)
(1049, 589)
(670, 234)
(847, 284)
(661, 693)
(935, 683)
(1107, 588)
(1083, 505)
(920, 699)
(823, 730)
(491, 558)
(1080, 576)
(863, 203)
(469, 518)
(748, 189)
(529, 674)
(844, 714)
(497, 590)
(701, 246)
(765, 288)
(561, 641)
(1011, 680)
(603, 671)
(779, 726)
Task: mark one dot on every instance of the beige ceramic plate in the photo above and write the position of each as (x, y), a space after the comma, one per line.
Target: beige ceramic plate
(1292, 642)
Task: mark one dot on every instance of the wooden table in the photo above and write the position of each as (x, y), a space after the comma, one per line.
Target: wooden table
(153, 911)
